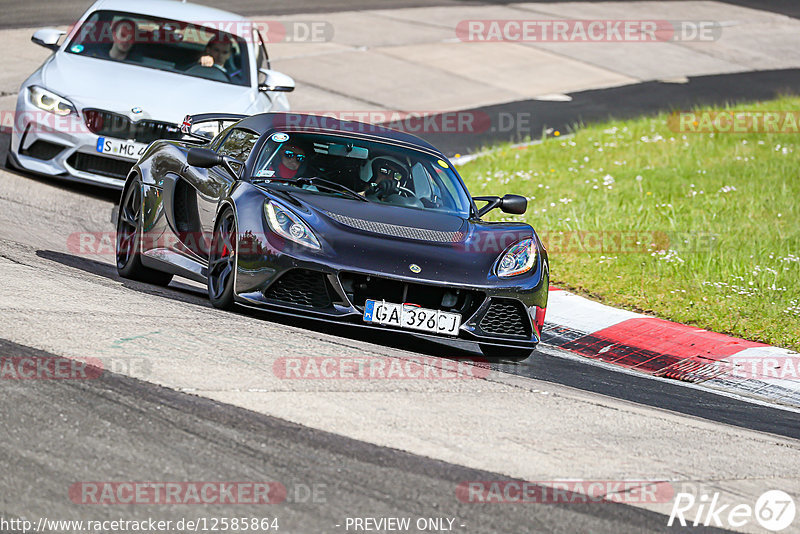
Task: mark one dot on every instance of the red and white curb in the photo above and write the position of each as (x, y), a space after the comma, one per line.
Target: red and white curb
(672, 350)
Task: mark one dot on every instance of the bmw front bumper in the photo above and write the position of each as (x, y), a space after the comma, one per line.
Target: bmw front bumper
(62, 146)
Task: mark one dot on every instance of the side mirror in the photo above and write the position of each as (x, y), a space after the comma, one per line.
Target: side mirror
(48, 37)
(205, 158)
(513, 204)
(272, 80)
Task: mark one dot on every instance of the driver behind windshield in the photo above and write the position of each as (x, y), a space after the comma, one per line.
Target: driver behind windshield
(390, 183)
(217, 53)
(387, 175)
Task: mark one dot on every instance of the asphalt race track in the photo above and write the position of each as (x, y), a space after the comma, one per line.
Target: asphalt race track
(160, 434)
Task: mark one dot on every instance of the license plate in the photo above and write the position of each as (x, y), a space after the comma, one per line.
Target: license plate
(412, 317)
(126, 149)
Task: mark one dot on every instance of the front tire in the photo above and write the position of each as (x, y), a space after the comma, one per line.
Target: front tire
(9, 165)
(222, 261)
(495, 353)
(128, 249)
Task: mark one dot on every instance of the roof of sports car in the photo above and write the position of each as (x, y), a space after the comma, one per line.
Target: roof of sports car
(320, 124)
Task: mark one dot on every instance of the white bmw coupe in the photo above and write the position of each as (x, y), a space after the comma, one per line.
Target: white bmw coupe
(125, 75)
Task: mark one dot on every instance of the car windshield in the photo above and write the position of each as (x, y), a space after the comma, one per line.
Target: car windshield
(361, 170)
(163, 44)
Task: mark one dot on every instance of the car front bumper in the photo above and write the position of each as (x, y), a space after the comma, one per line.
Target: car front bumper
(498, 316)
(63, 147)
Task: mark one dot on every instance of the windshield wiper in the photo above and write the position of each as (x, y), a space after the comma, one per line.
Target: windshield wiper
(332, 186)
(318, 182)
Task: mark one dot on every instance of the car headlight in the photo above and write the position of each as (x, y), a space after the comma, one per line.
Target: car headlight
(286, 224)
(49, 101)
(518, 259)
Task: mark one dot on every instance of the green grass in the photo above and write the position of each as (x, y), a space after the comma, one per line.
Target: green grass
(720, 212)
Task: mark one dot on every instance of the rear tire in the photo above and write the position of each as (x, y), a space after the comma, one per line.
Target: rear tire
(128, 249)
(495, 353)
(222, 261)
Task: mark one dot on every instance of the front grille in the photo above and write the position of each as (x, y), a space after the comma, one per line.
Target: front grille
(301, 286)
(107, 124)
(359, 288)
(407, 232)
(506, 317)
(42, 150)
(113, 168)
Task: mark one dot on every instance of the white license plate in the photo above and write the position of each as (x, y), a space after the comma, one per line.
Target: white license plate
(412, 317)
(125, 149)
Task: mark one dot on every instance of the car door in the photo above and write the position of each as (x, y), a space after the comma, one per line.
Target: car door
(194, 195)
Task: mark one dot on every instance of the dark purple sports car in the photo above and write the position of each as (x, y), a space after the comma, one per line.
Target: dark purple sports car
(334, 220)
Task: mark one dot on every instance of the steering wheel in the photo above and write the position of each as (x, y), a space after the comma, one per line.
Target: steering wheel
(387, 188)
(404, 191)
(211, 73)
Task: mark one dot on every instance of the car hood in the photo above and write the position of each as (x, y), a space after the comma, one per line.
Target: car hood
(372, 237)
(118, 87)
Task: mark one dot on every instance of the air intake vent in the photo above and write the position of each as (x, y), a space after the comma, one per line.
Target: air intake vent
(113, 168)
(42, 150)
(301, 286)
(506, 317)
(407, 232)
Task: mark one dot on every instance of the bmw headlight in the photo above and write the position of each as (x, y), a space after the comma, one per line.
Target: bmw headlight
(286, 224)
(49, 101)
(518, 259)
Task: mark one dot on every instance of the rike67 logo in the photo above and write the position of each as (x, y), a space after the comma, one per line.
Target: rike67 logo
(774, 510)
